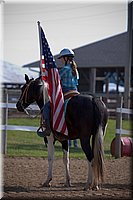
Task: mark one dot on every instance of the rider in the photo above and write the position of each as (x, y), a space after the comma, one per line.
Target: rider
(68, 73)
(69, 81)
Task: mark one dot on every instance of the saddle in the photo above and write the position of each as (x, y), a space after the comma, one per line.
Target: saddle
(70, 94)
(59, 136)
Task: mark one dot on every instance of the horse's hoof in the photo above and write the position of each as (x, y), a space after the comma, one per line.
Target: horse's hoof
(46, 184)
(87, 188)
(96, 188)
(67, 184)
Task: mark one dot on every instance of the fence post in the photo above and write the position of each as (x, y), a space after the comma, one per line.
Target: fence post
(5, 122)
(118, 126)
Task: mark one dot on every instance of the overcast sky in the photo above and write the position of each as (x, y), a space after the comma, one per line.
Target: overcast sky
(65, 25)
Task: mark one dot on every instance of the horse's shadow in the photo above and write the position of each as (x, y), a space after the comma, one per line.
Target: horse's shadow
(118, 186)
(75, 186)
(16, 189)
(61, 187)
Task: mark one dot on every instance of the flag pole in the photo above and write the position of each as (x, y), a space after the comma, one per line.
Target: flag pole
(41, 72)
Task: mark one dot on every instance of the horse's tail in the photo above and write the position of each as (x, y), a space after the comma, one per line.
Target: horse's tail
(98, 149)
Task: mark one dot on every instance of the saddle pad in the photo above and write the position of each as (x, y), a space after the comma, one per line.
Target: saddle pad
(70, 94)
(65, 105)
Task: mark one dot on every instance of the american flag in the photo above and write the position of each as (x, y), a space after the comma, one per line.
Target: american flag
(51, 76)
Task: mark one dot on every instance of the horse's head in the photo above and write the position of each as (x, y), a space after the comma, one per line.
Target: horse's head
(30, 92)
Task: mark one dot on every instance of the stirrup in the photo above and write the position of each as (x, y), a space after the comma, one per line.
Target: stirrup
(43, 133)
(40, 132)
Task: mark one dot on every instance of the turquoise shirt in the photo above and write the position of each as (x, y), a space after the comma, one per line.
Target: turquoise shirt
(68, 81)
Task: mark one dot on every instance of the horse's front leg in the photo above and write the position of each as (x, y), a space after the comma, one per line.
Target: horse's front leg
(50, 160)
(66, 162)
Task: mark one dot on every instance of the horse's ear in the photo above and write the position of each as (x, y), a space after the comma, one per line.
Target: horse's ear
(27, 78)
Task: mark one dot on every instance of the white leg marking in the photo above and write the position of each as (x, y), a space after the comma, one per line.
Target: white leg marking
(96, 181)
(50, 159)
(67, 167)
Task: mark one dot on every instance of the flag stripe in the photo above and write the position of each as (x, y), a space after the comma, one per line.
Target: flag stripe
(50, 74)
(58, 122)
(58, 109)
(64, 129)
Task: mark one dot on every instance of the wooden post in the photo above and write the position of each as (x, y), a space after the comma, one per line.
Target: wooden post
(118, 126)
(5, 122)
(92, 80)
(129, 64)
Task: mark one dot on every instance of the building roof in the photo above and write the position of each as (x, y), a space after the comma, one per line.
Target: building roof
(13, 74)
(110, 52)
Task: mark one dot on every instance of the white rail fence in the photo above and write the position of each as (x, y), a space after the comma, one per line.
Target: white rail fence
(4, 127)
(119, 129)
(123, 111)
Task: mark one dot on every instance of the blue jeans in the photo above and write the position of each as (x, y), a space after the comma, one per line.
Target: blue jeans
(75, 143)
(46, 111)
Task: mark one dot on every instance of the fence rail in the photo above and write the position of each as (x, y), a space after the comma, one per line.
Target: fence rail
(4, 127)
(119, 131)
(13, 105)
(18, 128)
(123, 131)
(124, 110)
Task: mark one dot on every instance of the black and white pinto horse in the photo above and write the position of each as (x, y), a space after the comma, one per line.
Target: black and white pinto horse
(86, 119)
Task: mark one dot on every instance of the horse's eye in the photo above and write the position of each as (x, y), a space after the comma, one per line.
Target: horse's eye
(21, 87)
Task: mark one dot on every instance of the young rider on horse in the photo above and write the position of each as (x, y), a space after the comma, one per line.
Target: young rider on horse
(69, 81)
(69, 73)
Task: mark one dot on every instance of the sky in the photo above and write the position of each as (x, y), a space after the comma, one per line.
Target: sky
(66, 24)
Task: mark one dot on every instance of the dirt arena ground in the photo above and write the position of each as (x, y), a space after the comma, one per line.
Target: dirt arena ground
(23, 178)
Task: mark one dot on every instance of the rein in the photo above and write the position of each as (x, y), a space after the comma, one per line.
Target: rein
(32, 116)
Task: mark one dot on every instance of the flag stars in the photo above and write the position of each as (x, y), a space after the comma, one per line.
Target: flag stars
(48, 57)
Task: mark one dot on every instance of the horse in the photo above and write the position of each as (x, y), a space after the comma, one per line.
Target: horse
(86, 119)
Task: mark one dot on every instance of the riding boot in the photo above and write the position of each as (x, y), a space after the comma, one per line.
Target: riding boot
(47, 130)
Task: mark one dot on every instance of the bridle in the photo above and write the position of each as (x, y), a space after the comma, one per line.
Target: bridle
(24, 100)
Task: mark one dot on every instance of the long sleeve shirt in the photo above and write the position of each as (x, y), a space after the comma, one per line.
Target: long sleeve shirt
(68, 81)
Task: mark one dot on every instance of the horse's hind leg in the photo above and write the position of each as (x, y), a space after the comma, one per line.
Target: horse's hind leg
(85, 144)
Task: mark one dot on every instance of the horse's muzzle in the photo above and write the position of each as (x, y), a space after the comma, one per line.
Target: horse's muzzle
(19, 106)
